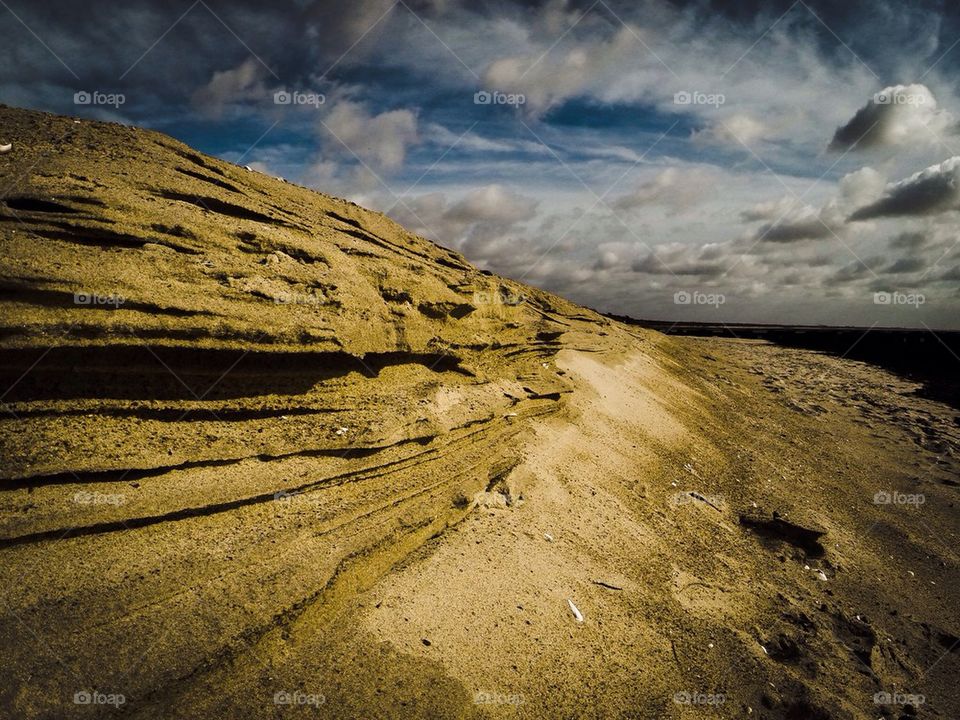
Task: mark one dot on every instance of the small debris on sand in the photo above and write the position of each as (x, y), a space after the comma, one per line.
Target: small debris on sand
(573, 608)
(607, 585)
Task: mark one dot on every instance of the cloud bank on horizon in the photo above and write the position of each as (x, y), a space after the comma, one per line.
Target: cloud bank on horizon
(799, 160)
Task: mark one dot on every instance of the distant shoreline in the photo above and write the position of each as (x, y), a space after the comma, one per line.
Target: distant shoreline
(931, 358)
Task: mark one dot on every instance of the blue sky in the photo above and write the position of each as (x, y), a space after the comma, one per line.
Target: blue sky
(770, 162)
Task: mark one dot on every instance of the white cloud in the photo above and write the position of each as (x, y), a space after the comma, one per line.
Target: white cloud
(227, 87)
(674, 188)
(548, 81)
(483, 223)
(492, 203)
(897, 115)
(379, 140)
(739, 129)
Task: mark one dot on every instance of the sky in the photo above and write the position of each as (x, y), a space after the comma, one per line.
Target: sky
(782, 162)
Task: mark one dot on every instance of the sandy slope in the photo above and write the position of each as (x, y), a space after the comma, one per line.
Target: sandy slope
(705, 609)
(475, 622)
(212, 494)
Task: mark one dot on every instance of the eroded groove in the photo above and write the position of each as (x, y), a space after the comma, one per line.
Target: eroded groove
(221, 207)
(11, 292)
(223, 184)
(101, 237)
(358, 231)
(38, 205)
(173, 414)
(359, 475)
(133, 474)
(136, 372)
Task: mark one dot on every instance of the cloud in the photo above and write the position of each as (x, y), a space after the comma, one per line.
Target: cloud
(909, 240)
(606, 260)
(799, 221)
(861, 186)
(674, 188)
(897, 115)
(483, 223)
(906, 265)
(803, 223)
(229, 87)
(338, 27)
(739, 129)
(787, 220)
(855, 270)
(931, 191)
(768, 210)
(548, 81)
(379, 140)
(679, 259)
(440, 135)
(492, 204)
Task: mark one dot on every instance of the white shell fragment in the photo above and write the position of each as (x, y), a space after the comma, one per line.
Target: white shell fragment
(548, 537)
(6, 148)
(573, 608)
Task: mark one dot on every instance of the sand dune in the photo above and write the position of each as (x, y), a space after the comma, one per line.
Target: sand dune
(280, 457)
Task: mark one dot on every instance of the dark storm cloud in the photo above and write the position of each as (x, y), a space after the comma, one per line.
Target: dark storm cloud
(162, 52)
(906, 265)
(654, 265)
(909, 240)
(854, 270)
(929, 192)
(864, 130)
